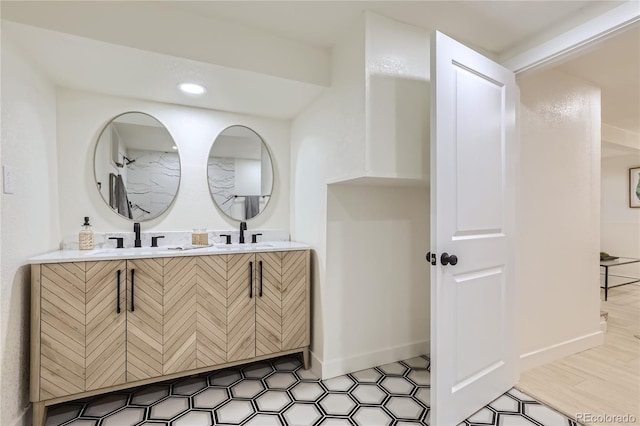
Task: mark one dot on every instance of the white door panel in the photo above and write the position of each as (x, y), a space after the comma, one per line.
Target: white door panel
(478, 188)
(472, 176)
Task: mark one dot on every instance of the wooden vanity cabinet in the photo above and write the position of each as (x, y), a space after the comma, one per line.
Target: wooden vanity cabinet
(195, 313)
(144, 310)
(281, 301)
(106, 328)
(124, 321)
(58, 319)
(100, 326)
(268, 303)
(226, 308)
(241, 307)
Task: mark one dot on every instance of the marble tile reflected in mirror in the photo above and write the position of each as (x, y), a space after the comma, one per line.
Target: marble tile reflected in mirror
(137, 166)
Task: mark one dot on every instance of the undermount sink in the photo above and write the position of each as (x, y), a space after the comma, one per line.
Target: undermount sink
(147, 251)
(122, 251)
(247, 246)
(188, 247)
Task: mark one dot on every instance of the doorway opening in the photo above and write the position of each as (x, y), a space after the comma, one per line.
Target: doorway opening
(581, 382)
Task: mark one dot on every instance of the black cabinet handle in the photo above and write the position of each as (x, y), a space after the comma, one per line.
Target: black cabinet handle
(431, 258)
(133, 286)
(260, 265)
(118, 294)
(449, 259)
(251, 280)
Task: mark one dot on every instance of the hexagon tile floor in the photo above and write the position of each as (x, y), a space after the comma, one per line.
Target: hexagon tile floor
(280, 392)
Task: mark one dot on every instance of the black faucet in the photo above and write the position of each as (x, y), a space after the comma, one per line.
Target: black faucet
(136, 229)
(119, 241)
(154, 240)
(243, 227)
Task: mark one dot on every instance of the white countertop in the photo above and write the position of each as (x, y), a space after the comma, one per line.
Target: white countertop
(167, 251)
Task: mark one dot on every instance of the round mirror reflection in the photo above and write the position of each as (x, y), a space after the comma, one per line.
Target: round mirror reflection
(137, 166)
(240, 173)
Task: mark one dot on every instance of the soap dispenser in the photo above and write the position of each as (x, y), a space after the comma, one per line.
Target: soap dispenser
(85, 237)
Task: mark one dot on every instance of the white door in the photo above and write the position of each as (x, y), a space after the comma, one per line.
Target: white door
(473, 154)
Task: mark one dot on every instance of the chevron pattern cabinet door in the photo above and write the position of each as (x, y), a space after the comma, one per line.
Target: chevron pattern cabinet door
(179, 314)
(241, 313)
(145, 324)
(211, 310)
(106, 328)
(269, 303)
(295, 285)
(62, 362)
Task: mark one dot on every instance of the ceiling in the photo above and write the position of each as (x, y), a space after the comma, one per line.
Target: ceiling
(144, 137)
(614, 66)
(95, 66)
(491, 26)
(610, 149)
(77, 49)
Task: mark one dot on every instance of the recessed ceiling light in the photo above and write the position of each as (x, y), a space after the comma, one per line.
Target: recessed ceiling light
(174, 147)
(192, 88)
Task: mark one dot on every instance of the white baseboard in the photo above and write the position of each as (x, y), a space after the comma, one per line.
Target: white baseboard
(603, 325)
(560, 350)
(340, 366)
(316, 365)
(24, 419)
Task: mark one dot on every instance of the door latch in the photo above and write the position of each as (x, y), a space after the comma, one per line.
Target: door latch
(431, 258)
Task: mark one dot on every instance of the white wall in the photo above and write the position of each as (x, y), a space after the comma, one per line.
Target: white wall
(344, 108)
(266, 173)
(29, 216)
(194, 35)
(558, 217)
(398, 100)
(81, 117)
(620, 224)
(320, 137)
(377, 278)
(249, 147)
(349, 224)
(104, 164)
(248, 176)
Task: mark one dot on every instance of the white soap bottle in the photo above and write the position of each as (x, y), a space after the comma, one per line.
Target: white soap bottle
(85, 237)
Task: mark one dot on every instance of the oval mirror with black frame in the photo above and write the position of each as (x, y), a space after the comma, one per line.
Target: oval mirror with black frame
(137, 166)
(240, 173)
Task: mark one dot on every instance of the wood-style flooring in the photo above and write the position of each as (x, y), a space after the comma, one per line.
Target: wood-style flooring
(603, 380)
